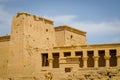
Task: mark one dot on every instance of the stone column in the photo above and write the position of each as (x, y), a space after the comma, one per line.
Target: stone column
(75, 61)
(85, 62)
(62, 61)
(118, 57)
(107, 58)
(72, 53)
(96, 57)
(85, 57)
(61, 54)
(50, 58)
(62, 58)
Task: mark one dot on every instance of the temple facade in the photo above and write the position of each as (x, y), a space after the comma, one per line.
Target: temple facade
(36, 50)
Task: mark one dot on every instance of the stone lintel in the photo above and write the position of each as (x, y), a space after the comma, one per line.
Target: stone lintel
(89, 46)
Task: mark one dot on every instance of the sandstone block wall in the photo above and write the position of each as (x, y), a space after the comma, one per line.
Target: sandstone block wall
(74, 39)
(67, 36)
(30, 34)
(4, 52)
(60, 38)
(34, 40)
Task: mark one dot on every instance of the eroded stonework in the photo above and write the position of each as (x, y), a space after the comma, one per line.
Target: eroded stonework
(36, 50)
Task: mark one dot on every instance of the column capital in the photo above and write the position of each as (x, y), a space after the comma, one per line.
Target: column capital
(107, 57)
(50, 60)
(96, 58)
(85, 58)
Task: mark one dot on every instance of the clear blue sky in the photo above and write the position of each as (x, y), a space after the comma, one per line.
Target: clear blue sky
(99, 18)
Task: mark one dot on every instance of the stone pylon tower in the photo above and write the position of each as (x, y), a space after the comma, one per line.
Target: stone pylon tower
(29, 36)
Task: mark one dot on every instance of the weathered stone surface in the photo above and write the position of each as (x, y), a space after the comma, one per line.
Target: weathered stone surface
(36, 50)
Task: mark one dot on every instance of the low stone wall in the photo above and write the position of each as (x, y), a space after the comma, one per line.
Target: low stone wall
(83, 74)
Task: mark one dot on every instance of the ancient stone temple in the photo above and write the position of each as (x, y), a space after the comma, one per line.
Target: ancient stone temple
(36, 50)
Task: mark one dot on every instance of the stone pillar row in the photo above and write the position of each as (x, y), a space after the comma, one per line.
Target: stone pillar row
(85, 57)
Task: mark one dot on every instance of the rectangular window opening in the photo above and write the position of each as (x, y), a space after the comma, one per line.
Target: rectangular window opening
(66, 54)
(101, 60)
(80, 53)
(45, 61)
(90, 61)
(55, 60)
(68, 69)
(113, 58)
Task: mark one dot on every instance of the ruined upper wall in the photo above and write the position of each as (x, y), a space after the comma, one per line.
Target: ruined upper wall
(30, 34)
(36, 18)
(37, 31)
(4, 38)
